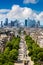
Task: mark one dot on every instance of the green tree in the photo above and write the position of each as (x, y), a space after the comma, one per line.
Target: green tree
(13, 54)
(35, 51)
(40, 56)
(9, 44)
(0, 63)
(36, 63)
(8, 63)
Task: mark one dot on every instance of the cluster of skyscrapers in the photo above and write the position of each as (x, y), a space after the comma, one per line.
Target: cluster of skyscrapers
(11, 24)
(31, 23)
(28, 23)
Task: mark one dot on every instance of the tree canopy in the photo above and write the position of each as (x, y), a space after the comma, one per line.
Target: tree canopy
(35, 51)
(10, 54)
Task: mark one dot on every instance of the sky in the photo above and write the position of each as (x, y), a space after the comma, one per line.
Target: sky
(21, 10)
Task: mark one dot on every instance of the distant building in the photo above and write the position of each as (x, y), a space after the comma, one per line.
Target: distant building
(26, 22)
(1, 23)
(12, 23)
(37, 24)
(31, 23)
(16, 23)
(6, 22)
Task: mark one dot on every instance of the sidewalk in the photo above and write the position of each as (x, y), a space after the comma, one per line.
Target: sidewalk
(18, 64)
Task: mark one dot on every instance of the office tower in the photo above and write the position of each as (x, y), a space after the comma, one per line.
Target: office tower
(26, 22)
(34, 23)
(31, 23)
(38, 24)
(16, 23)
(1, 23)
(6, 22)
(12, 23)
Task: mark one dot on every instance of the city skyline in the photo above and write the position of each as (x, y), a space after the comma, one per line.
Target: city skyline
(16, 23)
(21, 10)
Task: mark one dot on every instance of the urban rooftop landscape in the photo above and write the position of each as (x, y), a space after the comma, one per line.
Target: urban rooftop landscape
(21, 32)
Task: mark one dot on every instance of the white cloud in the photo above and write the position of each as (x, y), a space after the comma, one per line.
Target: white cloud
(3, 14)
(20, 13)
(30, 1)
(2, 17)
(4, 11)
(40, 16)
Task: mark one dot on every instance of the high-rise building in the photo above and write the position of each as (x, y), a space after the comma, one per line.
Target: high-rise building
(16, 23)
(26, 21)
(1, 23)
(6, 22)
(12, 23)
(38, 24)
(31, 23)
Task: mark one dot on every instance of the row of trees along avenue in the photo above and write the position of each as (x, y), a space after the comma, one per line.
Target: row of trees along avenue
(35, 51)
(10, 54)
